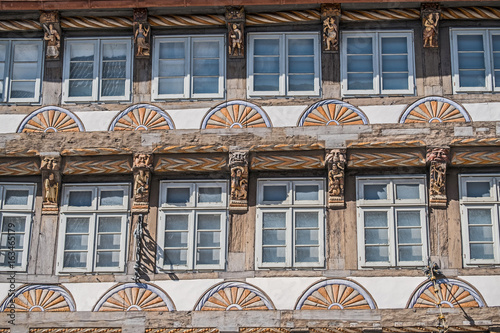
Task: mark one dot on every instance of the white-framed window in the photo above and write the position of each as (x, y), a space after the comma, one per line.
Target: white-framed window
(93, 228)
(97, 69)
(392, 221)
(21, 63)
(188, 67)
(16, 214)
(377, 63)
(480, 209)
(290, 223)
(475, 59)
(283, 64)
(192, 225)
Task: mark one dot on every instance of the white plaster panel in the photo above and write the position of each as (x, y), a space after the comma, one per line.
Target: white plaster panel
(185, 294)
(483, 111)
(10, 122)
(5, 288)
(383, 114)
(284, 116)
(390, 292)
(96, 120)
(86, 295)
(187, 118)
(487, 287)
(284, 292)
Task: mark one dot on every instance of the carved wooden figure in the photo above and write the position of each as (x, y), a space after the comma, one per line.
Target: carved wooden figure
(437, 158)
(142, 36)
(336, 161)
(51, 180)
(430, 13)
(330, 16)
(52, 34)
(143, 163)
(238, 164)
(235, 20)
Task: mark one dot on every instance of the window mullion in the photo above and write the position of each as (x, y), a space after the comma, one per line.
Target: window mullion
(192, 239)
(290, 241)
(96, 86)
(188, 81)
(488, 54)
(394, 245)
(283, 85)
(92, 243)
(377, 63)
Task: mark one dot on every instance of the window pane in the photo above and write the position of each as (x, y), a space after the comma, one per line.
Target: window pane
(77, 225)
(409, 236)
(171, 86)
(113, 88)
(176, 239)
(80, 88)
(112, 198)
(266, 46)
(205, 85)
(472, 78)
(209, 221)
(273, 254)
(307, 254)
(266, 65)
(175, 257)
(114, 51)
(75, 259)
(113, 70)
(204, 67)
(301, 82)
(16, 241)
(76, 242)
(394, 45)
(108, 242)
(301, 46)
(408, 218)
(274, 237)
(110, 224)
(376, 236)
(359, 45)
(480, 234)
(306, 219)
(470, 42)
(266, 83)
(207, 256)
(377, 253)
(6, 261)
(26, 52)
(22, 89)
(407, 191)
(172, 67)
(478, 189)
(410, 253)
(375, 219)
(16, 197)
(108, 259)
(14, 224)
(209, 194)
(24, 71)
(300, 65)
(471, 61)
(360, 81)
(479, 216)
(3, 52)
(209, 239)
(394, 63)
(495, 42)
(481, 251)
(307, 237)
(81, 52)
(206, 49)
(80, 198)
(360, 63)
(178, 195)
(81, 70)
(275, 193)
(176, 222)
(172, 50)
(394, 81)
(306, 192)
(375, 192)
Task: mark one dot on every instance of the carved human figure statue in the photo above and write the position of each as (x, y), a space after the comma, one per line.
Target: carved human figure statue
(239, 183)
(430, 29)
(330, 34)
(53, 40)
(236, 37)
(336, 179)
(438, 173)
(141, 34)
(141, 185)
(51, 189)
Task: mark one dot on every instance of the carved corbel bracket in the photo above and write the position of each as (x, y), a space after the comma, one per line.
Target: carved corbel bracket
(142, 33)
(51, 33)
(50, 168)
(430, 14)
(238, 164)
(142, 167)
(335, 161)
(330, 17)
(437, 158)
(235, 20)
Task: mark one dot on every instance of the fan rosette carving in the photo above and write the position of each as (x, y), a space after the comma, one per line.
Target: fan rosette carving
(434, 110)
(236, 114)
(449, 294)
(332, 112)
(40, 299)
(142, 118)
(50, 119)
(335, 295)
(135, 297)
(234, 296)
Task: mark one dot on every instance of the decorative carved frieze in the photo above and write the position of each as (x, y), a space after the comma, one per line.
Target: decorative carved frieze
(95, 151)
(142, 35)
(235, 114)
(238, 165)
(434, 109)
(174, 149)
(37, 298)
(182, 330)
(387, 144)
(283, 17)
(430, 15)
(468, 157)
(235, 20)
(51, 119)
(19, 167)
(335, 162)
(476, 142)
(143, 164)
(104, 165)
(330, 17)
(75, 330)
(380, 15)
(288, 147)
(52, 34)
(287, 162)
(332, 112)
(437, 158)
(205, 163)
(51, 180)
(358, 159)
(264, 330)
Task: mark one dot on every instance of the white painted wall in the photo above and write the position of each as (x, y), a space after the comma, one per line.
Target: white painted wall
(185, 294)
(86, 295)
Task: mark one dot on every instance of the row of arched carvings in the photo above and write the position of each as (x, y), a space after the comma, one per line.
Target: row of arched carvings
(242, 114)
(330, 294)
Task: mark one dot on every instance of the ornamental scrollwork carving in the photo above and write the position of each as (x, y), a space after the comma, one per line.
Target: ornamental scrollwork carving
(51, 180)
(335, 161)
(330, 16)
(238, 164)
(437, 158)
(235, 20)
(143, 163)
(52, 34)
(431, 14)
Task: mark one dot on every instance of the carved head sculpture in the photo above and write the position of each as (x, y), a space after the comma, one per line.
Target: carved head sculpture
(440, 155)
(335, 156)
(143, 160)
(238, 158)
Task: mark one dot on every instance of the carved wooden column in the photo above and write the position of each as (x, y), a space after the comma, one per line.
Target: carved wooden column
(50, 167)
(437, 158)
(142, 35)
(238, 164)
(335, 161)
(330, 17)
(235, 20)
(430, 14)
(143, 164)
(52, 34)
